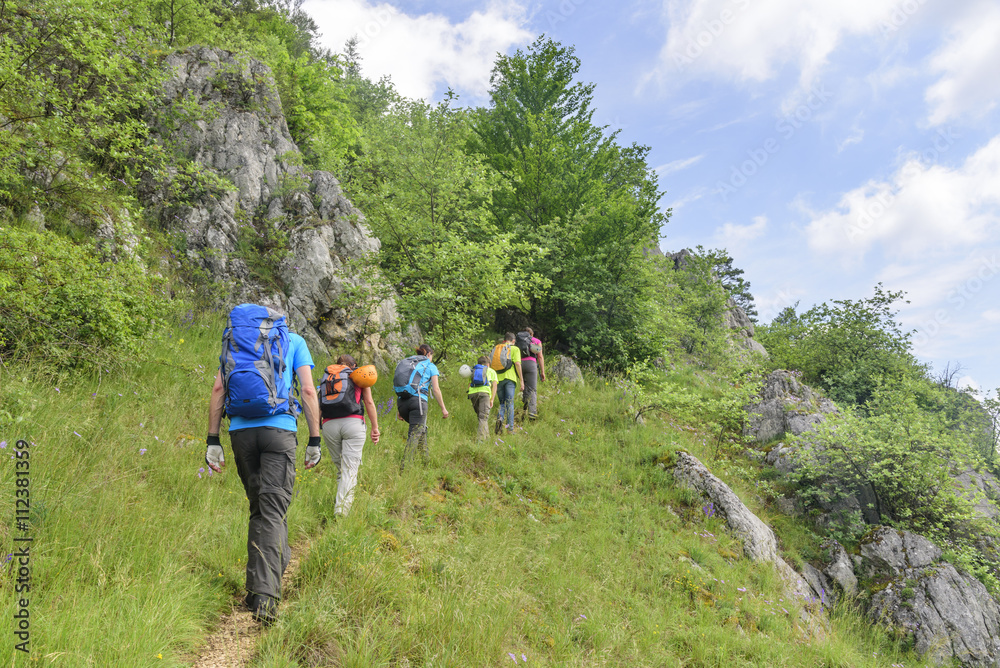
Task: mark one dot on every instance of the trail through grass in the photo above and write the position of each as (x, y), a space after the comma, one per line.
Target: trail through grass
(563, 544)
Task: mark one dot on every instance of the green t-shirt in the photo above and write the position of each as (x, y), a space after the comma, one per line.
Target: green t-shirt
(511, 373)
(491, 377)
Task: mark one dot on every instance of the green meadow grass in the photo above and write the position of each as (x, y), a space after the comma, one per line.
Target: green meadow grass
(564, 544)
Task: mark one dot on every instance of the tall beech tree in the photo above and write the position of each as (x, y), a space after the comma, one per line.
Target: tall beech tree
(585, 205)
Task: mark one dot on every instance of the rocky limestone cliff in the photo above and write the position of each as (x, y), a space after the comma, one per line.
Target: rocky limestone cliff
(237, 189)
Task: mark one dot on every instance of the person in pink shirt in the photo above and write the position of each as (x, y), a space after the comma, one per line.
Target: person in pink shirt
(345, 439)
(532, 365)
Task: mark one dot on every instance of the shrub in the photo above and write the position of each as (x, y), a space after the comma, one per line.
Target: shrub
(60, 303)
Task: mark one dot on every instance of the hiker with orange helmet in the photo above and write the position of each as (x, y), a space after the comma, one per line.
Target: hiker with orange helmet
(345, 399)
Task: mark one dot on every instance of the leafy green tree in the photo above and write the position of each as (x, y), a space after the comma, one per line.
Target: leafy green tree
(72, 81)
(847, 347)
(731, 278)
(566, 189)
(426, 199)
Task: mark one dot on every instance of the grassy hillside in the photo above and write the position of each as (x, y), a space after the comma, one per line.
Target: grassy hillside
(562, 545)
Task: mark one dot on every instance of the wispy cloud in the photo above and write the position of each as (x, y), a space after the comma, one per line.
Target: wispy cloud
(731, 234)
(677, 165)
(752, 40)
(922, 207)
(968, 65)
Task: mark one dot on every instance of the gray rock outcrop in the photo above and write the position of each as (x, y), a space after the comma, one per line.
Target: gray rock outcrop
(566, 370)
(738, 322)
(786, 406)
(949, 613)
(246, 211)
(759, 541)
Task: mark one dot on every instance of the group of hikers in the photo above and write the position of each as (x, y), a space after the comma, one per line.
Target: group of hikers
(261, 366)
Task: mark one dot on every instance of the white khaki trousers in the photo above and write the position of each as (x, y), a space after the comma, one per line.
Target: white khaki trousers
(345, 439)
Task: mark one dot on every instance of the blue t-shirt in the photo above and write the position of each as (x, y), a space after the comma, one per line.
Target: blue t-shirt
(297, 356)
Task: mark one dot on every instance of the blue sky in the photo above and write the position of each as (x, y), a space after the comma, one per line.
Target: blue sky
(828, 146)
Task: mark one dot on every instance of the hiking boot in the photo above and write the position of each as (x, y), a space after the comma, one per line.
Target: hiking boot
(498, 428)
(263, 608)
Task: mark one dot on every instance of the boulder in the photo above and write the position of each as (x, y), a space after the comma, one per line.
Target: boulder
(785, 405)
(759, 542)
(565, 369)
(839, 569)
(740, 325)
(248, 214)
(949, 614)
(981, 488)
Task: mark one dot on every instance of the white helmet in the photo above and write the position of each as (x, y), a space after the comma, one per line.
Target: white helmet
(464, 371)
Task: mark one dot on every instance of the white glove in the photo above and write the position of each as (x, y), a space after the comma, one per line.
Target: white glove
(314, 451)
(313, 454)
(214, 457)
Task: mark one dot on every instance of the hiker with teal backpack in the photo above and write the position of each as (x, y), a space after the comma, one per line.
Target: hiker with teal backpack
(482, 393)
(260, 364)
(506, 361)
(414, 377)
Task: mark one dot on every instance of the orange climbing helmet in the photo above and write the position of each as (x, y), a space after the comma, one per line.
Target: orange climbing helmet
(364, 376)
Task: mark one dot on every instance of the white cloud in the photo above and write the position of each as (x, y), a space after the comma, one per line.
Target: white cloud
(770, 305)
(856, 136)
(730, 234)
(969, 66)
(751, 40)
(677, 165)
(692, 196)
(991, 315)
(921, 208)
(423, 52)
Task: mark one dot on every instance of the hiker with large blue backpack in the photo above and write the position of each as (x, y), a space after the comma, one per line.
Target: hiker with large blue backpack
(260, 365)
(414, 377)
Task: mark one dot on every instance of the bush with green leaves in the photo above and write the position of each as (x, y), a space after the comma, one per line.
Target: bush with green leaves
(908, 458)
(843, 347)
(61, 304)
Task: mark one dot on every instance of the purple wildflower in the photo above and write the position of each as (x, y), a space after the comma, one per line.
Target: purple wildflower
(142, 451)
(57, 390)
(78, 434)
(512, 657)
(3, 444)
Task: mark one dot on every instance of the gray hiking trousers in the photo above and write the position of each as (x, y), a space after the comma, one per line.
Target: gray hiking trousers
(529, 370)
(265, 460)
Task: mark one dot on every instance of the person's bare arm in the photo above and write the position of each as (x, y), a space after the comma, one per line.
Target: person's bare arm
(215, 405)
(493, 392)
(371, 412)
(310, 400)
(214, 456)
(437, 395)
(541, 363)
(520, 377)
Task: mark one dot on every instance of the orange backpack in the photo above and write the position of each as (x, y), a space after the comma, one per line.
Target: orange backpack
(338, 396)
(500, 360)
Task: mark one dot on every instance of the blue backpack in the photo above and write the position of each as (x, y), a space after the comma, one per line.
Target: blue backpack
(479, 376)
(252, 363)
(412, 376)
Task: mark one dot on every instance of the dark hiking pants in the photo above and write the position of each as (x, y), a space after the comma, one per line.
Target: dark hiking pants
(414, 411)
(265, 460)
(529, 370)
